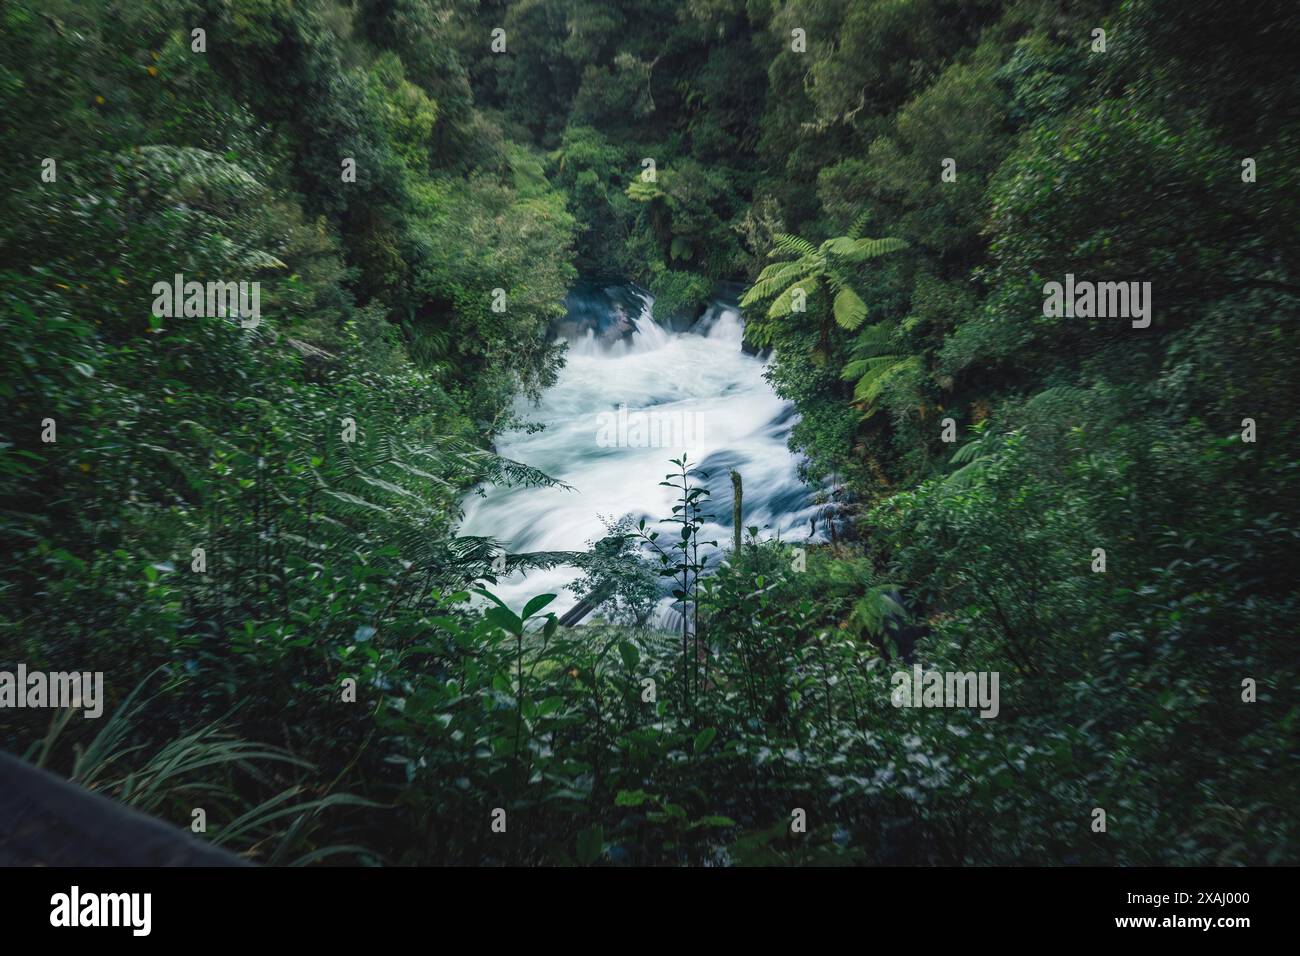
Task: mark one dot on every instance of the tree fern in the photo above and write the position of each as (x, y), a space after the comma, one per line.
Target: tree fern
(812, 270)
(875, 362)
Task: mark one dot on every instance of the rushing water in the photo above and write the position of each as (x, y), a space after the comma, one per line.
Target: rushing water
(632, 396)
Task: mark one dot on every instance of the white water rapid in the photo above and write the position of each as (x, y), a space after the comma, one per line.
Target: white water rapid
(624, 405)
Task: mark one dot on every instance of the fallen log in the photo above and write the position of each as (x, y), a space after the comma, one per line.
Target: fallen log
(575, 614)
(48, 821)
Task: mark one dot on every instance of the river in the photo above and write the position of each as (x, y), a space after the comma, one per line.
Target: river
(633, 395)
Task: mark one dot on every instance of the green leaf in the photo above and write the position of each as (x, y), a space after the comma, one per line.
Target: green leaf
(536, 604)
(492, 597)
(504, 618)
(631, 656)
(704, 738)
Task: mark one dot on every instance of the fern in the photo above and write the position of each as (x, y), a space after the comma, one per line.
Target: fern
(859, 223)
(792, 246)
(876, 606)
(974, 457)
(641, 191)
(812, 270)
(875, 248)
(774, 279)
(850, 311)
(783, 304)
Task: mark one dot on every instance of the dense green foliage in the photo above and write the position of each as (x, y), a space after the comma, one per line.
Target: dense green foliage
(331, 560)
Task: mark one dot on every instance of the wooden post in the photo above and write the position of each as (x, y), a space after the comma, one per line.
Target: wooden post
(736, 513)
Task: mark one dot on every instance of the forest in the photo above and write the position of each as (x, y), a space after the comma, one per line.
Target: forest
(1021, 273)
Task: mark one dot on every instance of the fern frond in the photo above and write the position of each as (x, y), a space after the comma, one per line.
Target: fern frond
(880, 369)
(874, 340)
(783, 305)
(969, 452)
(792, 246)
(966, 475)
(641, 191)
(774, 279)
(849, 309)
(874, 248)
(860, 223)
